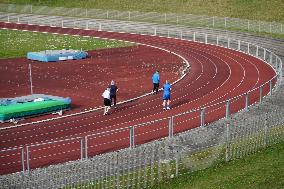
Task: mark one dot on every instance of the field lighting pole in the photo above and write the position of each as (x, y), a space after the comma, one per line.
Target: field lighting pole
(31, 81)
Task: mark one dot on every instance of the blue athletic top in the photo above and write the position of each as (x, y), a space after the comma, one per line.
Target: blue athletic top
(167, 88)
(156, 77)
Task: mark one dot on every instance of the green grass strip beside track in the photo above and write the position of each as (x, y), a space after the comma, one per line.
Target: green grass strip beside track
(19, 43)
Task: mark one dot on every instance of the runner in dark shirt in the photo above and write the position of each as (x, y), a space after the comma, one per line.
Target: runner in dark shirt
(113, 90)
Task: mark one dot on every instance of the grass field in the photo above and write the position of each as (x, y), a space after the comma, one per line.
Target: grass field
(262, 170)
(18, 43)
(247, 9)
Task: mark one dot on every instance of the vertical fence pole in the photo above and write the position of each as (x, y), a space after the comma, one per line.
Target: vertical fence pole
(129, 15)
(247, 102)
(202, 117)
(256, 53)
(181, 35)
(206, 38)
(213, 21)
(225, 22)
(18, 20)
(8, 18)
(228, 42)
(171, 127)
(86, 147)
(87, 25)
(28, 158)
(131, 137)
(227, 156)
(155, 31)
(194, 33)
(177, 162)
(227, 109)
(23, 158)
(264, 55)
(248, 49)
(165, 17)
(100, 26)
(270, 58)
(260, 94)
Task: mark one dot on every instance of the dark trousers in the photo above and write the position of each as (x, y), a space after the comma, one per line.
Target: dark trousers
(156, 87)
(113, 98)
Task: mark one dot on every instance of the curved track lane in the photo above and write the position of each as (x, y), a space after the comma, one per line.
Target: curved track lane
(216, 74)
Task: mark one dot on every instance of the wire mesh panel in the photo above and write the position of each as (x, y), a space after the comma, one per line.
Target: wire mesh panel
(107, 141)
(12, 159)
(147, 132)
(53, 153)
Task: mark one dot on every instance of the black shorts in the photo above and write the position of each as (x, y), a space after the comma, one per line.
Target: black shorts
(106, 102)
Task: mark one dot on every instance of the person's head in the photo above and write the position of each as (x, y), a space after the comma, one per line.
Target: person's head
(157, 71)
(108, 89)
(167, 81)
(112, 82)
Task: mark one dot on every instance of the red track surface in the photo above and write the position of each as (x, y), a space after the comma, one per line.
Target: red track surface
(216, 75)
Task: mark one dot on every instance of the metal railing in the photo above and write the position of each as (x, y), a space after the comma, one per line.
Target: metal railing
(154, 17)
(25, 158)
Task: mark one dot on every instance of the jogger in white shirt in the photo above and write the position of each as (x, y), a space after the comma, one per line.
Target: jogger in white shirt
(107, 102)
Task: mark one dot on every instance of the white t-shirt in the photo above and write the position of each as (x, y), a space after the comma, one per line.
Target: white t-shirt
(106, 94)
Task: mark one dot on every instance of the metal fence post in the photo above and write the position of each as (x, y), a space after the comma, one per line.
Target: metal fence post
(227, 109)
(194, 36)
(100, 26)
(87, 25)
(8, 18)
(228, 42)
(202, 117)
(131, 137)
(171, 127)
(248, 49)
(155, 31)
(270, 87)
(205, 38)
(129, 15)
(256, 51)
(247, 101)
(225, 22)
(28, 158)
(18, 20)
(181, 35)
(213, 22)
(23, 158)
(260, 94)
(264, 55)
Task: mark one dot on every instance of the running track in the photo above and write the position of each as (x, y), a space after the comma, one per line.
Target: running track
(216, 74)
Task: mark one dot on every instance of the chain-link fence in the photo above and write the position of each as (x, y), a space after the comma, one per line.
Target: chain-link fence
(145, 165)
(154, 17)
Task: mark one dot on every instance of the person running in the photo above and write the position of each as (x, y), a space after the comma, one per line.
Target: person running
(107, 104)
(156, 81)
(166, 95)
(113, 90)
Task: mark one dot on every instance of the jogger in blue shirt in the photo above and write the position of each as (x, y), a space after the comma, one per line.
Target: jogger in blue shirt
(166, 95)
